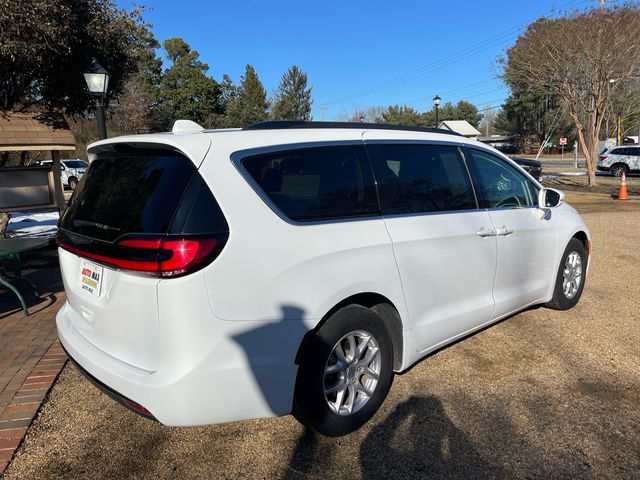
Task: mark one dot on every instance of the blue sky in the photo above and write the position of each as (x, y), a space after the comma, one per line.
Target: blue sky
(357, 53)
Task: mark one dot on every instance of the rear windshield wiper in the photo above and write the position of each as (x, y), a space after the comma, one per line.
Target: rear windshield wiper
(89, 223)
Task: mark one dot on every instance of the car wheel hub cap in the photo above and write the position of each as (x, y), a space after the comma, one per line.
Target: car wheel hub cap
(351, 373)
(572, 275)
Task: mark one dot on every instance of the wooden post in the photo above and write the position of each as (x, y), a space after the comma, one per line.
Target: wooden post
(57, 180)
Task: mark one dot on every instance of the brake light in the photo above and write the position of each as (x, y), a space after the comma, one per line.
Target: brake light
(174, 256)
(602, 157)
(157, 256)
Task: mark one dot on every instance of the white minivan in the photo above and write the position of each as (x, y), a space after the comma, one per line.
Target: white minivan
(222, 275)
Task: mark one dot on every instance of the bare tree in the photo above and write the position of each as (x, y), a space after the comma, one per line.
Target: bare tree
(487, 124)
(583, 58)
(626, 103)
(358, 113)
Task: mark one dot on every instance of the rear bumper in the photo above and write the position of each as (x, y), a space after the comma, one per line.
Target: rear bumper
(121, 399)
(237, 376)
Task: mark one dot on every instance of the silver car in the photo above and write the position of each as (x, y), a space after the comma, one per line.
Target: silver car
(619, 159)
(72, 171)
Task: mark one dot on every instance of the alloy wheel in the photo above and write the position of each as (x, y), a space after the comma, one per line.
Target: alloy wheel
(352, 372)
(572, 275)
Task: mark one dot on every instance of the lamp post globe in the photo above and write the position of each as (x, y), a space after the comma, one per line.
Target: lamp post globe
(436, 103)
(97, 79)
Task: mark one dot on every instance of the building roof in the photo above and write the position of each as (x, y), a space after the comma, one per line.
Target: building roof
(460, 126)
(35, 131)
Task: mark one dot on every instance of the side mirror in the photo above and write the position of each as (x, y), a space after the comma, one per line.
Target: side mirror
(550, 198)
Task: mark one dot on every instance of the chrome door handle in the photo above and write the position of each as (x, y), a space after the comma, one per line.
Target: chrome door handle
(486, 232)
(504, 231)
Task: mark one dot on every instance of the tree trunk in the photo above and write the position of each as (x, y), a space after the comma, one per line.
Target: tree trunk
(587, 147)
(4, 222)
(592, 145)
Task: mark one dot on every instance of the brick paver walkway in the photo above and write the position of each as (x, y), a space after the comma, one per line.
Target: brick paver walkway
(30, 359)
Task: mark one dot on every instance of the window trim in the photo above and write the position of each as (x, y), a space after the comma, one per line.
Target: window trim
(239, 156)
(511, 164)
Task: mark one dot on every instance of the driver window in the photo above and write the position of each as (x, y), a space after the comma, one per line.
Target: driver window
(499, 184)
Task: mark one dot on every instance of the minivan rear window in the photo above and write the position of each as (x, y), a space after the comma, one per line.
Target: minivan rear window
(136, 192)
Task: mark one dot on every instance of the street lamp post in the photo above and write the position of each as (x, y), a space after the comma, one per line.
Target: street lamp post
(97, 79)
(436, 103)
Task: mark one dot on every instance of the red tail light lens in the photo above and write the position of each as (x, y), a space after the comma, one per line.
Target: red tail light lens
(602, 157)
(158, 256)
(173, 256)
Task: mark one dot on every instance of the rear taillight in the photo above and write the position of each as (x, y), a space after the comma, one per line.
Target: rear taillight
(602, 157)
(163, 256)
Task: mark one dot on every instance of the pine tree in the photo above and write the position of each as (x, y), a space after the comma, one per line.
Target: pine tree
(401, 115)
(187, 92)
(249, 105)
(292, 97)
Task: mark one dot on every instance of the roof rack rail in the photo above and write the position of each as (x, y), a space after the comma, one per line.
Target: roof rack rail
(289, 124)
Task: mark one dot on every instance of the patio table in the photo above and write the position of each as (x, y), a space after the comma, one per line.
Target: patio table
(10, 249)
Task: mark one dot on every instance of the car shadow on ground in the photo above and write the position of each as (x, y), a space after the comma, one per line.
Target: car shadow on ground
(417, 440)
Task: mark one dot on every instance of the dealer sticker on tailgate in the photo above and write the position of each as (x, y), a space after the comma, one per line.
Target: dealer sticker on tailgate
(90, 278)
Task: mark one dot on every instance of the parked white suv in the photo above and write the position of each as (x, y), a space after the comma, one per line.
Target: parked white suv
(71, 171)
(293, 267)
(619, 159)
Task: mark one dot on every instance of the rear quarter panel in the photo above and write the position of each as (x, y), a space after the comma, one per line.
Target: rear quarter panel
(272, 269)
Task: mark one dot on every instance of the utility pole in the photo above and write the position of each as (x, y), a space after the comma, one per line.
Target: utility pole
(619, 128)
(322, 110)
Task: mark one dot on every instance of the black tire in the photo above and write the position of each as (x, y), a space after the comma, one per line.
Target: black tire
(617, 168)
(73, 183)
(560, 300)
(311, 407)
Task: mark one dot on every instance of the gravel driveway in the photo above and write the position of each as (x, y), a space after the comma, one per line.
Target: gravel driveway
(543, 394)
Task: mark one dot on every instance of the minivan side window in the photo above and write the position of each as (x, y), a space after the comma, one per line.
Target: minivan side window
(420, 178)
(317, 183)
(499, 184)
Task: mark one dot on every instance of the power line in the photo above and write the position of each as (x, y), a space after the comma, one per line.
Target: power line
(449, 92)
(492, 108)
(473, 95)
(436, 65)
(445, 61)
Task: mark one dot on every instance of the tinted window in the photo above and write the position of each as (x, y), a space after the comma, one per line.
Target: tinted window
(635, 151)
(421, 178)
(128, 193)
(498, 184)
(316, 183)
(75, 164)
(199, 211)
(621, 151)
